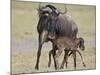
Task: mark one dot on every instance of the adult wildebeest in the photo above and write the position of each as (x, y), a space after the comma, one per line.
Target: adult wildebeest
(51, 20)
(70, 46)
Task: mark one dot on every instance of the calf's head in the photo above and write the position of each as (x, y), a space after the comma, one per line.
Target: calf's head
(81, 43)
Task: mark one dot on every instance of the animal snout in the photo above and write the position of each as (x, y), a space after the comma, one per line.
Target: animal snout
(51, 36)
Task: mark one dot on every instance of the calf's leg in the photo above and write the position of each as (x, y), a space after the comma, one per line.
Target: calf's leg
(50, 53)
(74, 57)
(56, 58)
(64, 59)
(81, 58)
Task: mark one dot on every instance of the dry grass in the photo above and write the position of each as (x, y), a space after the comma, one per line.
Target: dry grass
(24, 62)
(25, 42)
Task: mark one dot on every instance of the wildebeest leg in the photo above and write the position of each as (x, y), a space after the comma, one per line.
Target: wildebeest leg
(56, 58)
(81, 58)
(42, 39)
(64, 59)
(38, 56)
(74, 57)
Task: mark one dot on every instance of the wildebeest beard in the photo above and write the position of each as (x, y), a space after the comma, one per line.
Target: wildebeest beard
(48, 23)
(43, 23)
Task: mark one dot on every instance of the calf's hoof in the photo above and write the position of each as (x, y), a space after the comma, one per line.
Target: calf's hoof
(66, 65)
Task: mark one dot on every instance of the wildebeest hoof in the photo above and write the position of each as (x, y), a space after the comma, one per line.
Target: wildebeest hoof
(56, 68)
(75, 68)
(62, 67)
(37, 68)
(49, 65)
(84, 65)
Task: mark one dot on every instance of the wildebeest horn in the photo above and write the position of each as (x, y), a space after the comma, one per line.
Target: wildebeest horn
(39, 5)
(48, 10)
(44, 9)
(63, 12)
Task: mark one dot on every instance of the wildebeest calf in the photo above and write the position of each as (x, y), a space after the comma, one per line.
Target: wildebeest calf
(70, 46)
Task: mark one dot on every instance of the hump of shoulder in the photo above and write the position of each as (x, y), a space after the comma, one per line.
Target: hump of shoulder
(65, 17)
